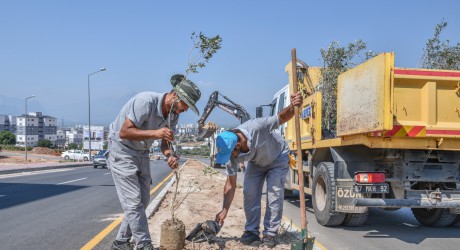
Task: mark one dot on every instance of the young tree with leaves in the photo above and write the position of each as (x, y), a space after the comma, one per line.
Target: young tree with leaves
(440, 54)
(336, 60)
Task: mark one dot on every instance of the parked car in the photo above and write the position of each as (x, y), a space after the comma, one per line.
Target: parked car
(76, 155)
(99, 159)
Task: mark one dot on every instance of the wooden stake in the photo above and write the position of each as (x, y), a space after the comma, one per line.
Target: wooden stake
(303, 215)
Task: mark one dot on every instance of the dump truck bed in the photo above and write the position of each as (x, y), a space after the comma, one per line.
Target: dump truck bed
(381, 106)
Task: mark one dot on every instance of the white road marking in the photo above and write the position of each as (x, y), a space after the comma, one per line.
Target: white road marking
(106, 173)
(71, 181)
(4, 176)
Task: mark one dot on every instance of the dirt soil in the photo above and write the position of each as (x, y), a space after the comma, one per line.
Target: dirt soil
(199, 199)
(37, 155)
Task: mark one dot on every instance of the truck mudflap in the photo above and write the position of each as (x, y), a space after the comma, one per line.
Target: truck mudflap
(416, 199)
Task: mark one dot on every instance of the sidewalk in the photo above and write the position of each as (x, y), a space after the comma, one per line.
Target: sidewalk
(17, 168)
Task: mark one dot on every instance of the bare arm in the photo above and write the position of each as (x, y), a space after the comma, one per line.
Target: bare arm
(229, 193)
(129, 131)
(287, 113)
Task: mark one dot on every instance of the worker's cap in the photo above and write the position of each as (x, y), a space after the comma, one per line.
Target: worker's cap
(186, 90)
(225, 143)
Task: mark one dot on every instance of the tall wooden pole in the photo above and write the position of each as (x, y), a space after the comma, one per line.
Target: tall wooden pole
(298, 142)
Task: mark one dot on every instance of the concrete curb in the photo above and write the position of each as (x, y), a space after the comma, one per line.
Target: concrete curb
(153, 206)
(20, 170)
(155, 203)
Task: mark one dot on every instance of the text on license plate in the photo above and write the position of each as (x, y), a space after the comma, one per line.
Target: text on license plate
(373, 188)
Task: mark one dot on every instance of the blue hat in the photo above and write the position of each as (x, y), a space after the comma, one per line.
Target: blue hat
(225, 143)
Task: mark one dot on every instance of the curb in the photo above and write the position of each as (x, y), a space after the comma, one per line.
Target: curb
(20, 170)
(153, 206)
(155, 203)
(290, 227)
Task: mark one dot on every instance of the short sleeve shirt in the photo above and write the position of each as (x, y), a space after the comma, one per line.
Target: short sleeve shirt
(265, 145)
(145, 111)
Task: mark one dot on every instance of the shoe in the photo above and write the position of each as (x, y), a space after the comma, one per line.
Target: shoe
(268, 241)
(146, 246)
(249, 237)
(121, 245)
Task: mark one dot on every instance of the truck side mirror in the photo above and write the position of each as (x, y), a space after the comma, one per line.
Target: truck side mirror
(259, 112)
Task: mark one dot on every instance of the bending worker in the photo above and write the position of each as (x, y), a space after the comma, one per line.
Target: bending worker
(146, 117)
(267, 154)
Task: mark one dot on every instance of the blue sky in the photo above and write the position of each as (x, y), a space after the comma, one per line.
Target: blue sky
(48, 48)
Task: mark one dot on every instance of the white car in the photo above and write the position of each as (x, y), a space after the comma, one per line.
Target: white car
(76, 155)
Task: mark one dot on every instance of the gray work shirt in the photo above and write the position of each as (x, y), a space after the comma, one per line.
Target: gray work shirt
(265, 145)
(145, 111)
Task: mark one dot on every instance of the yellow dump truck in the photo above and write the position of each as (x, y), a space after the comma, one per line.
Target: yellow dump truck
(396, 144)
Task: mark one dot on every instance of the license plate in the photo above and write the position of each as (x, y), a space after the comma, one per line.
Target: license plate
(372, 188)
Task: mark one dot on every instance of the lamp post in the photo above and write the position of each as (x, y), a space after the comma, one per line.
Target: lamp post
(89, 112)
(25, 130)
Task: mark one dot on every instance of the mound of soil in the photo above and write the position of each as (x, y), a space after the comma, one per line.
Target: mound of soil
(45, 151)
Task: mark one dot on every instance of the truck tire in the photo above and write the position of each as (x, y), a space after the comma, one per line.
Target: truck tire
(435, 217)
(355, 220)
(323, 196)
(456, 221)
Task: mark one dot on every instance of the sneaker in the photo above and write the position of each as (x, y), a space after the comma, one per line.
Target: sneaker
(121, 245)
(268, 241)
(146, 246)
(249, 237)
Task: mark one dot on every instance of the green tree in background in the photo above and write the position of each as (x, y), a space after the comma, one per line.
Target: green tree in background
(44, 143)
(7, 138)
(336, 60)
(440, 54)
(73, 146)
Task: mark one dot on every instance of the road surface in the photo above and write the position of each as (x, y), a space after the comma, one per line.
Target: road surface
(61, 208)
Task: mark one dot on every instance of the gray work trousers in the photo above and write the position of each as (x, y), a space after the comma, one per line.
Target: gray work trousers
(254, 178)
(131, 175)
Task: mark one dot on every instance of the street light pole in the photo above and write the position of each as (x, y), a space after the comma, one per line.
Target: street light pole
(89, 112)
(25, 130)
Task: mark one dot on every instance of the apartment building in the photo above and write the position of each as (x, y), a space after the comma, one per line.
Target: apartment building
(39, 127)
(189, 128)
(75, 135)
(8, 123)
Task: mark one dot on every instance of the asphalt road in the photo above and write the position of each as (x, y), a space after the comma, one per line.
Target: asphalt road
(383, 230)
(61, 208)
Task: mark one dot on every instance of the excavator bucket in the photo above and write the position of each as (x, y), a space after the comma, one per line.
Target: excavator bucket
(207, 130)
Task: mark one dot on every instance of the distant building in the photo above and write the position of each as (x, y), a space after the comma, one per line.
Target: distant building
(61, 138)
(187, 129)
(8, 123)
(74, 135)
(39, 127)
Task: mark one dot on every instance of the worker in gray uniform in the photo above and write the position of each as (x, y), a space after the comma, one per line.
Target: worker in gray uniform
(146, 117)
(267, 154)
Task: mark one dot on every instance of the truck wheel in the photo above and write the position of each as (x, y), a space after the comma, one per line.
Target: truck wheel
(456, 221)
(323, 196)
(355, 220)
(435, 217)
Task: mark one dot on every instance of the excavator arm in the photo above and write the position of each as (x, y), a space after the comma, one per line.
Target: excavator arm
(205, 131)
